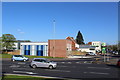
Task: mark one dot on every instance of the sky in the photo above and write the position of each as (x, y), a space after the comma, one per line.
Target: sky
(97, 21)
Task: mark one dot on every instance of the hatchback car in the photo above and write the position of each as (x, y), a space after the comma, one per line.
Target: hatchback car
(43, 62)
(118, 63)
(19, 58)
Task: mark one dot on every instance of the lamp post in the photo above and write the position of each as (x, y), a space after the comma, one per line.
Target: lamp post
(54, 38)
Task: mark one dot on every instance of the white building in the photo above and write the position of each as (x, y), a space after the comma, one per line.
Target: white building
(16, 46)
(34, 48)
(87, 48)
(98, 45)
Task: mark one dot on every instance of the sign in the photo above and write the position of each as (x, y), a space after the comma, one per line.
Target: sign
(104, 50)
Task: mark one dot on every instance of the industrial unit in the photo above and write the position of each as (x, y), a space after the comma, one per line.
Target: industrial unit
(59, 47)
(34, 48)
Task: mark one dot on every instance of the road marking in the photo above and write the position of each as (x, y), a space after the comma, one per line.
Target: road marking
(99, 67)
(57, 70)
(77, 62)
(97, 73)
(21, 63)
(69, 62)
(23, 69)
(14, 66)
(62, 62)
(85, 61)
(24, 72)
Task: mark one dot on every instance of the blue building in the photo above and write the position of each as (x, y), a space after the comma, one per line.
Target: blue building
(34, 48)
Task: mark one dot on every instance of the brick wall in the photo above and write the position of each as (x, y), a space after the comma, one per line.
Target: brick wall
(58, 48)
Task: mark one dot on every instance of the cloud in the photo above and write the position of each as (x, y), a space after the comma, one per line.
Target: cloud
(20, 31)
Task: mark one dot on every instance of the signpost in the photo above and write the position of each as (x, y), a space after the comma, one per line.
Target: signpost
(104, 50)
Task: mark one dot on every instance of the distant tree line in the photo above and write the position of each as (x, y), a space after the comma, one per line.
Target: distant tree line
(7, 42)
(115, 47)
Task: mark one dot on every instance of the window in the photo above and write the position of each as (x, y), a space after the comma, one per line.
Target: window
(91, 49)
(37, 60)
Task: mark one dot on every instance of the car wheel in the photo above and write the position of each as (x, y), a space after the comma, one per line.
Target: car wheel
(34, 66)
(13, 60)
(24, 60)
(50, 67)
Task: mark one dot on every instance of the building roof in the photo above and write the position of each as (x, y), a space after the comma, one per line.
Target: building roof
(71, 38)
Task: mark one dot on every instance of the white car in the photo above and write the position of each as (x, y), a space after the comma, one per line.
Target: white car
(19, 58)
(91, 53)
(43, 62)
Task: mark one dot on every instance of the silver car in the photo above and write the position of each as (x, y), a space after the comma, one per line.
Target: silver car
(43, 62)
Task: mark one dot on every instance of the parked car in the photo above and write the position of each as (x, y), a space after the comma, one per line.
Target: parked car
(19, 58)
(118, 63)
(43, 62)
(91, 53)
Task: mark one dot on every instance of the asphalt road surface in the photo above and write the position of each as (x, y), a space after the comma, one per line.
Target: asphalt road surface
(71, 69)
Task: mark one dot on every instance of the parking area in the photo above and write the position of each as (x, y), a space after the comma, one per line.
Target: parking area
(70, 69)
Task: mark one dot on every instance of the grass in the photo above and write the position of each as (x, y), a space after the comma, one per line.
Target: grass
(29, 56)
(20, 77)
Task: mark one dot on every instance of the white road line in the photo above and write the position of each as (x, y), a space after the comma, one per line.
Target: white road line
(85, 61)
(24, 72)
(77, 62)
(62, 62)
(69, 62)
(57, 70)
(14, 66)
(97, 73)
(21, 63)
(23, 69)
(98, 67)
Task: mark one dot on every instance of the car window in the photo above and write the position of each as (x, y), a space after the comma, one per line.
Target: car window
(42, 60)
(37, 60)
(18, 56)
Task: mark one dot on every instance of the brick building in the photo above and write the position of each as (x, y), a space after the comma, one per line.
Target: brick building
(74, 44)
(59, 48)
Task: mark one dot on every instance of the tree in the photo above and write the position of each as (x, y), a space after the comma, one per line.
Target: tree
(119, 47)
(8, 41)
(0, 44)
(79, 38)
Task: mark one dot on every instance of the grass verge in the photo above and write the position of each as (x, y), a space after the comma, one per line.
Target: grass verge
(20, 77)
(29, 56)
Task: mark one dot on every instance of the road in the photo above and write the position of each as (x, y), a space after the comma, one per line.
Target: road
(70, 69)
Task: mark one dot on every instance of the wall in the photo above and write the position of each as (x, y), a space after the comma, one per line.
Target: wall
(59, 48)
(34, 48)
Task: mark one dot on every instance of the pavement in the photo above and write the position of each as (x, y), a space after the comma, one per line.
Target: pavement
(77, 69)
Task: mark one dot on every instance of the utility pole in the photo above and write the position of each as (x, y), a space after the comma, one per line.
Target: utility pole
(54, 38)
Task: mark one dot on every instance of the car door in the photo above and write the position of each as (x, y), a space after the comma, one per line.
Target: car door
(44, 63)
(37, 62)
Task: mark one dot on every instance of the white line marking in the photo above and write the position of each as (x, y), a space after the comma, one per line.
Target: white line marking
(69, 62)
(85, 61)
(24, 72)
(62, 62)
(14, 66)
(23, 69)
(77, 62)
(97, 73)
(99, 67)
(58, 70)
(21, 63)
